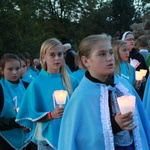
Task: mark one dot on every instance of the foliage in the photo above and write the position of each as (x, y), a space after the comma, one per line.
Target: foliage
(25, 24)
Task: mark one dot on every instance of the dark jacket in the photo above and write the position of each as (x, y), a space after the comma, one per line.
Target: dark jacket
(134, 54)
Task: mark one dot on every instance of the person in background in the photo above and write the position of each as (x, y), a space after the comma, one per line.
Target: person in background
(37, 63)
(92, 118)
(12, 135)
(121, 55)
(38, 110)
(70, 57)
(142, 45)
(31, 72)
(122, 67)
(135, 55)
(23, 66)
(78, 75)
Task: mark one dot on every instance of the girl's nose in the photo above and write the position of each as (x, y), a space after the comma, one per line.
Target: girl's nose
(109, 57)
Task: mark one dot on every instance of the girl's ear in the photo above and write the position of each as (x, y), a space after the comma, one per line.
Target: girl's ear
(43, 58)
(1, 71)
(85, 61)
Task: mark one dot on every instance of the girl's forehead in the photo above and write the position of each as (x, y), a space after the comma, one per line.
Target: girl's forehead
(11, 62)
(55, 48)
(103, 45)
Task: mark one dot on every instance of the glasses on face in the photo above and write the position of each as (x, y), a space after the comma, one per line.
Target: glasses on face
(130, 39)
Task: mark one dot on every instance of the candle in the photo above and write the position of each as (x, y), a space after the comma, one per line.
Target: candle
(60, 97)
(126, 103)
(138, 75)
(143, 72)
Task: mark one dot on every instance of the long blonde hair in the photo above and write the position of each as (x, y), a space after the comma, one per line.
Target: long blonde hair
(46, 46)
(116, 46)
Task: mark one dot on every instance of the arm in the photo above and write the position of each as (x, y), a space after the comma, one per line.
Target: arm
(56, 113)
(8, 123)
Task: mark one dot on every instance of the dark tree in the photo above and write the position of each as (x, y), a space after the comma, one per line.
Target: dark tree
(123, 14)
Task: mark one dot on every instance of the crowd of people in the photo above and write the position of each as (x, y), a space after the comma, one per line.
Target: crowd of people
(94, 76)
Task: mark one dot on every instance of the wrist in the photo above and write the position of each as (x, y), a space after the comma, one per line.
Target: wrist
(50, 115)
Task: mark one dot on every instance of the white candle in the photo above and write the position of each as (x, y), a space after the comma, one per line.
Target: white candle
(126, 103)
(60, 97)
(138, 75)
(143, 72)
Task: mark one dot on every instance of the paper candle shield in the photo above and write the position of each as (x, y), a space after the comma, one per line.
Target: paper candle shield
(60, 96)
(126, 103)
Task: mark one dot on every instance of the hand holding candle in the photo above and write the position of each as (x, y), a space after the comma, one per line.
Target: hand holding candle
(126, 103)
(60, 97)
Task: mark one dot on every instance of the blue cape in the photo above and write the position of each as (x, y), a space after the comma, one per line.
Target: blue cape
(146, 97)
(86, 121)
(38, 101)
(16, 137)
(124, 72)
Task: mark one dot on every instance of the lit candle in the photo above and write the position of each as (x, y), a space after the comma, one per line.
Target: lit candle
(143, 72)
(138, 75)
(126, 103)
(60, 97)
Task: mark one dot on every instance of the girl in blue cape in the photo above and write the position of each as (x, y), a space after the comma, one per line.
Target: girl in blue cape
(122, 67)
(146, 97)
(12, 135)
(31, 72)
(92, 119)
(78, 74)
(38, 110)
(121, 55)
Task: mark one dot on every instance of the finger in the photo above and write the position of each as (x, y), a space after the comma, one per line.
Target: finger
(127, 123)
(127, 114)
(129, 128)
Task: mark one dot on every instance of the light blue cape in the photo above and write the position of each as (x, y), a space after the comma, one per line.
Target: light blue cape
(16, 137)
(146, 97)
(38, 101)
(86, 121)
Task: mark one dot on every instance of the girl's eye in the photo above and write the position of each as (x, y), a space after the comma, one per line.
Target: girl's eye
(10, 69)
(102, 54)
(18, 68)
(52, 54)
(111, 52)
(60, 54)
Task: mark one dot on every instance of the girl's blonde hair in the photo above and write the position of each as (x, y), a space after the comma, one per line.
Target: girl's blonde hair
(116, 46)
(46, 46)
(87, 44)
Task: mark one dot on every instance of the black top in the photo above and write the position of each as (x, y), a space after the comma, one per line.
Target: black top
(70, 60)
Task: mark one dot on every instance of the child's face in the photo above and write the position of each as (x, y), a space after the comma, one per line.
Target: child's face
(124, 52)
(101, 61)
(12, 70)
(54, 59)
(23, 68)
